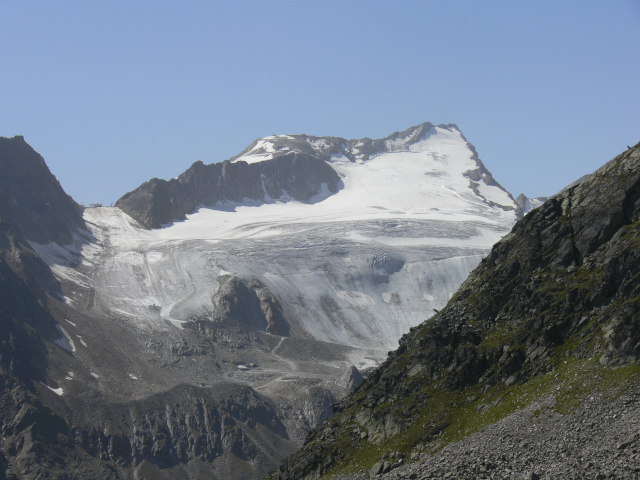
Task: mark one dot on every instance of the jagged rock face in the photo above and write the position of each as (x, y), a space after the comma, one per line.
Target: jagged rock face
(250, 306)
(22, 351)
(525, 204)
(560, 289)
(162, 435)
(33, 207)
(186, 423)
(271, 310)
(293, 174)
(31, 199)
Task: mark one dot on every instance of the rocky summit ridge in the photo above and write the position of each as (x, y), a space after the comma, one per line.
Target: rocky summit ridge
(279, 167)
(530, 370)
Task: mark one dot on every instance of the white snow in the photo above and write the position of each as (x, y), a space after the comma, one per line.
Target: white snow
(63, 258)
(57, 391)
(65, 340)
(263, 150)
(494, 194)
(356, 299)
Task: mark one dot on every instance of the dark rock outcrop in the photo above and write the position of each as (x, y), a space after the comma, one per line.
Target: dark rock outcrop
(294, 174)
(32, 201)
(384, 265)
(168, 430)
(246, 306)
(547, 314)
(33, 207)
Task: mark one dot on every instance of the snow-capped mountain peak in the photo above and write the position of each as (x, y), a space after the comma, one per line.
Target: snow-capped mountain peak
(434, 144)
(270, 147)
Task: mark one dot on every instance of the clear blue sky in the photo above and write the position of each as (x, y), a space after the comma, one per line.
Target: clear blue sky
(113, 93)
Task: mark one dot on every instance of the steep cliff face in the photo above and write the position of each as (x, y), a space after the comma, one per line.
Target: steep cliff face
(31, 199)
(230, 429)
(547, 315)
(33, 208)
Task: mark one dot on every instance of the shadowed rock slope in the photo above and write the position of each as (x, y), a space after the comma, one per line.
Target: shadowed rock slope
(549, 321)
(31, 199)
(33, 207)
(297, 175)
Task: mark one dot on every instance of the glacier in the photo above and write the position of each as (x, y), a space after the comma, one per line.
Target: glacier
(411, 201)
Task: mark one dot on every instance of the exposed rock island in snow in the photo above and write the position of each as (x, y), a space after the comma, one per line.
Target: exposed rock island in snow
(275, 271)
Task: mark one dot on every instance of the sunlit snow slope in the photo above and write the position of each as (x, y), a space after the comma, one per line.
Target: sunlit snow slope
(414, 215)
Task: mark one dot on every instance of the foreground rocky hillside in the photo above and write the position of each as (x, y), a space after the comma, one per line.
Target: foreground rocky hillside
(542, 338)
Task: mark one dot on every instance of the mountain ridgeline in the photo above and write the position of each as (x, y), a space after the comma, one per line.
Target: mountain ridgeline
(33, 207)
(296, 169)
(158, 202)
(551, 315)
(31, 199)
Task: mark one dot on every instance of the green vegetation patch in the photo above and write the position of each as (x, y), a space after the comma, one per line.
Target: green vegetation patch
(450, 416)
